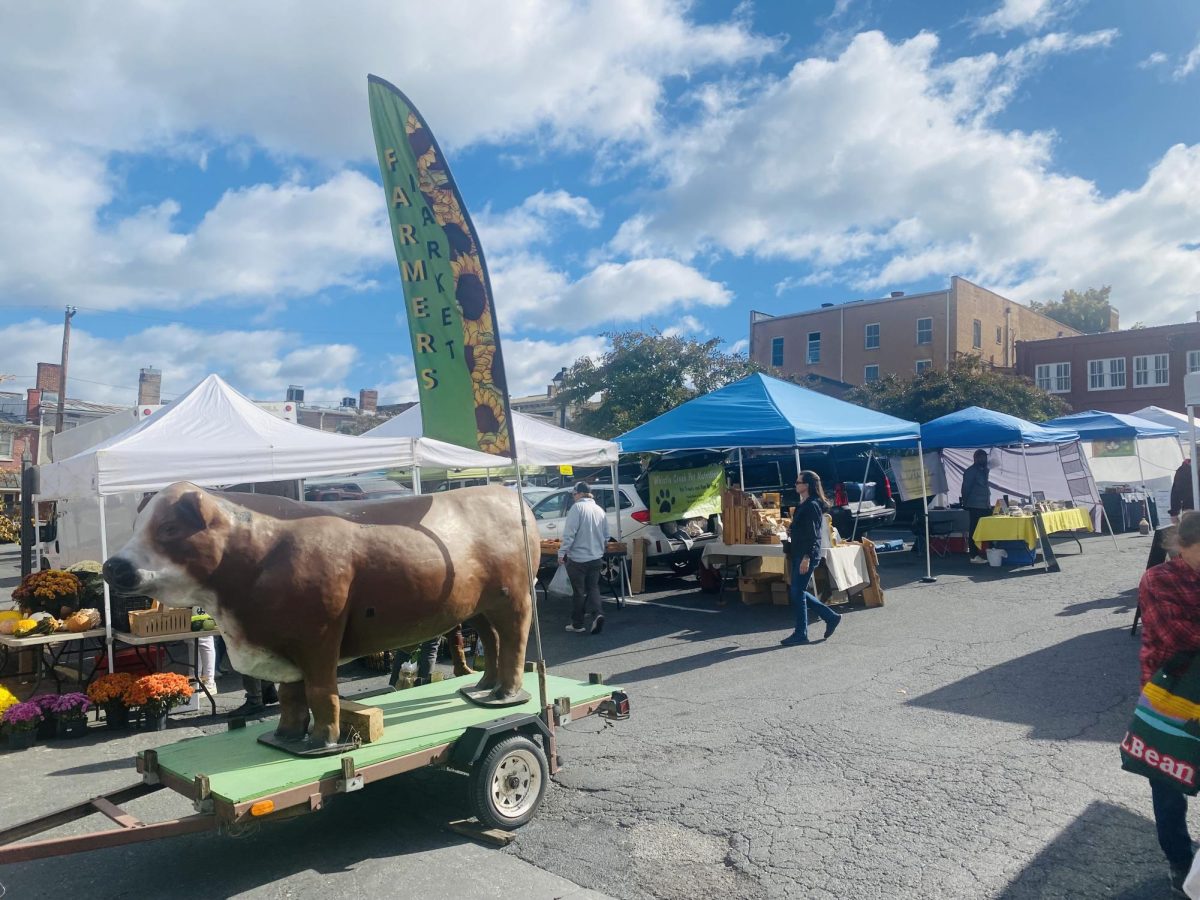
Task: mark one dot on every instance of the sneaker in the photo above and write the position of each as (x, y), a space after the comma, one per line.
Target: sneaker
(978, 561)
(832, 627)
(577, 629)
(209, 685)
(795, 640)
(598, 625)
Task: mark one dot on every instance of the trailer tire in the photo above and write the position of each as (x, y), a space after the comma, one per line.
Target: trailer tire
(508, 782)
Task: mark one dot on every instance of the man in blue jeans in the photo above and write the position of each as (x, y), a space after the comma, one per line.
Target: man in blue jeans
(582, 552)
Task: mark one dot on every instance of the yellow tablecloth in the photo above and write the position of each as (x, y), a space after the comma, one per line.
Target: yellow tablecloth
(1021, 528)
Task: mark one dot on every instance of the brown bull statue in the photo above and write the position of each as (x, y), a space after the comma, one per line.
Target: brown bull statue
(298, 588)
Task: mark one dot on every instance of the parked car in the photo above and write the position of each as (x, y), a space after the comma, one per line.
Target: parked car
(357, 487)
(675, 545)
(868, 500)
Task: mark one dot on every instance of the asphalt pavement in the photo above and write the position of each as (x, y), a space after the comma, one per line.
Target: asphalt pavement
(959, 742)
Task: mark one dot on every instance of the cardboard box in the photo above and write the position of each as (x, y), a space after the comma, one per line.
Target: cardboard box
(780, 587)
(765, 565)
(756, 598)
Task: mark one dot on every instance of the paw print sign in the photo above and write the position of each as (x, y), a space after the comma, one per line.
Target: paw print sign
(686, 493)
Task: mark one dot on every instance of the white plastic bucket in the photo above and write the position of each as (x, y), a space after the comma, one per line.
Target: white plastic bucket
(996, 557)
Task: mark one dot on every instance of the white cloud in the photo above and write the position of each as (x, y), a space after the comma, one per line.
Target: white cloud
(530, 223)
(881, 167)
(530, 364)
(688, 326)
(531, 293)
(1028, 15)
(1189, 65)
(261, 364)
(739, 346)
(1157, 58)
(291, 77)
(265, 241)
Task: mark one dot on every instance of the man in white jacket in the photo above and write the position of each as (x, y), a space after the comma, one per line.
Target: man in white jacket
(582, 552)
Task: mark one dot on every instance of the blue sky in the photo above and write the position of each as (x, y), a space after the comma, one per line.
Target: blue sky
(199, 178)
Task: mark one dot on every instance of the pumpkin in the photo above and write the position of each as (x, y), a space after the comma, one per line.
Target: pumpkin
(8, 626)
(25, 627)
(83, 620)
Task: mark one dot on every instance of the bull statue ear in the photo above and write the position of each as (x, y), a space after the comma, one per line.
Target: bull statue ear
(195, 509)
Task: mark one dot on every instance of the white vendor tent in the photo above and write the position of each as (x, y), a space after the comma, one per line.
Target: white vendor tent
(1160, 416)
(538, 443)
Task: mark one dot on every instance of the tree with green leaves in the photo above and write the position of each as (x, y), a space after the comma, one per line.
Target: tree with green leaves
(644, 375)
(968, 382)
(1089, 312)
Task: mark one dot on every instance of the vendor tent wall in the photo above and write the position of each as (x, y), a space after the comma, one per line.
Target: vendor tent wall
(1116, 463)
(1058, 471)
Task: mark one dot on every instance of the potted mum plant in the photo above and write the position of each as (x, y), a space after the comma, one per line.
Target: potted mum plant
(156, 695)
(70, 715)
(109, 693)
(53, 591)
(46, 703)
(20, 723)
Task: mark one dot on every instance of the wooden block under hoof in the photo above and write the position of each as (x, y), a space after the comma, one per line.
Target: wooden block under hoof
(366, 721)
(473, 829)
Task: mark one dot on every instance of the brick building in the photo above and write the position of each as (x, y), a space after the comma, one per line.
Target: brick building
(863, 340)
(1116, 371)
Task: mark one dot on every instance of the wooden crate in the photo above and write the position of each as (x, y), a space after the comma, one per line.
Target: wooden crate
(160, 620)
(756, 598)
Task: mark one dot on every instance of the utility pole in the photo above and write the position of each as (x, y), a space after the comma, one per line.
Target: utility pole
(62, 374)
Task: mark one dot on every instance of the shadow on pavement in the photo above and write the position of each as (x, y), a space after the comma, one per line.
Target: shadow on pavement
(689, 663)
(1080, 689)
(1106, 852)
(1124, 602)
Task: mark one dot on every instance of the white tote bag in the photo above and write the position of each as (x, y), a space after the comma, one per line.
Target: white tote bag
(560, 584)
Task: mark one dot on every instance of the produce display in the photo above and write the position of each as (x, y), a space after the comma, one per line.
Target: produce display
(203, 623)
(25, 627)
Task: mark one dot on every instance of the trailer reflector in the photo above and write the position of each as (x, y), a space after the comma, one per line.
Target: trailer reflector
(262, 808)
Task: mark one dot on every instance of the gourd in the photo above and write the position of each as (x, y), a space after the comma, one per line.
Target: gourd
(25, 627)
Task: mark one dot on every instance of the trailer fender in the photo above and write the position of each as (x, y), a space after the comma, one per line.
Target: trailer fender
(474, 742)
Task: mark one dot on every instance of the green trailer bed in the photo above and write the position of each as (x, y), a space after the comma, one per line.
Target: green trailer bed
(240, 769)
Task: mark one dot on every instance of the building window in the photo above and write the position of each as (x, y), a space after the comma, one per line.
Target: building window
(1106, 374)
(1151, 371)
(870, 373)
(1054, 377)
(814, 347)
(924, 331)
(976, 334)
(924, 365)
(871, 336)
(777, 351)
(999, 339)
(1193, 361)
(6, 445)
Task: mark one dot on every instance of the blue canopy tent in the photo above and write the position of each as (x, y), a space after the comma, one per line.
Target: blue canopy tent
(761, 411)
(1151, 443)
(979, 427)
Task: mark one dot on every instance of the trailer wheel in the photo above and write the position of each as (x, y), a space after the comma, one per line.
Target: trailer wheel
(508, 783)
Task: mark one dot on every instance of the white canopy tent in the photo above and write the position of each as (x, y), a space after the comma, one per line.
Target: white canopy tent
(1170, 419)
(214, 436)
(538, 443)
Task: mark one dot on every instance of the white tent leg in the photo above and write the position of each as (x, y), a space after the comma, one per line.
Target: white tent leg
(108, 638)
(417, 480)
(1195, 462)
(1137, 450)
(1028, 479)
(741, 471)
(487, 479)
(862, 488)
(37, 538)
(928, 579)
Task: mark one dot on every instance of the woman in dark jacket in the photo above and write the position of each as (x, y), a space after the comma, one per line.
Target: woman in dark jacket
(805, 554)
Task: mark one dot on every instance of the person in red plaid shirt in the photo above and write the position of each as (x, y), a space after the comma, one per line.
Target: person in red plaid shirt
(1169, 597)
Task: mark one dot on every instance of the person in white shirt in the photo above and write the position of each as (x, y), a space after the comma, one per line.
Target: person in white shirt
(582, 552)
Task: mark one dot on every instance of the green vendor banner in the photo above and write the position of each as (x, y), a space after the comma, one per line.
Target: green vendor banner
(686, 493)
(1114, 448)
(447, 294)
